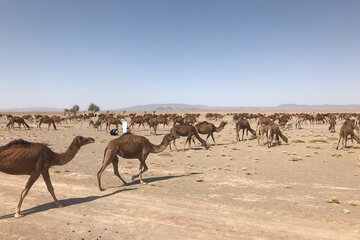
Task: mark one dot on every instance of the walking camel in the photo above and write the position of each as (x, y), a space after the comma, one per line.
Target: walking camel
(187, 131)
(20, 157)
(131, 146)
(209, 129)
(48, 120)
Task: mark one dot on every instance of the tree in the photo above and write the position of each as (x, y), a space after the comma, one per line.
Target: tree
(93, 108)
(75, 109)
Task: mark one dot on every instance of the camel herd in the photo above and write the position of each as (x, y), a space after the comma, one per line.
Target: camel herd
(21, 157)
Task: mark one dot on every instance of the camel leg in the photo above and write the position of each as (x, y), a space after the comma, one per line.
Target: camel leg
(247, 134)
(175, 145)
(50, 188)
(242, 137)
(345, 140)
(337, 147)
(30, 182)
(237, 135)
(186, 143)
(142, 168)
(212, 136)
(109, 156)
(115, 163)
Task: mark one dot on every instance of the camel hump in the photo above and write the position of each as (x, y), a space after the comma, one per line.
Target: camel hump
(16, 142)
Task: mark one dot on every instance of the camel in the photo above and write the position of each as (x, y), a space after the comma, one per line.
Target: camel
(346, 130)
(274, 131)
(187, 131)
(48, 120)
(244, 125)
(96, 124)
(112, 120)
(131, 146)
(178, 119)
(209, 129)
(137, 120)
(153, 123)
(20, 157)
(332, 124)
(19, 121)
(190, 119)
(162, 120)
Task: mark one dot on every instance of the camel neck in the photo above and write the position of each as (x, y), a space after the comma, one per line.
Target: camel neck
(67, 156)
(161, 147)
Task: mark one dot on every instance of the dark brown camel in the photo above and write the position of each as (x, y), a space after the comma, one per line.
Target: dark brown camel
(162, 120)
(187, 131)
(131, 146)
(209, 129)
(20, 157)
(243, 125)
(19, 120)
(152, 122)
(346, 130)
(48, 120)
(190, 119)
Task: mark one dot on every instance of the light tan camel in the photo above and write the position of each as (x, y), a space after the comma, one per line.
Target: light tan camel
(137, 120)
(346, 130)
(131, 146)
(20, 157)
(186, 131)
(209, 129)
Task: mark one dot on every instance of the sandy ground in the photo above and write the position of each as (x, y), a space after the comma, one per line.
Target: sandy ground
(235, 190)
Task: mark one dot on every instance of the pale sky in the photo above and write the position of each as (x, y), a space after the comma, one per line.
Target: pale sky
(220, 53)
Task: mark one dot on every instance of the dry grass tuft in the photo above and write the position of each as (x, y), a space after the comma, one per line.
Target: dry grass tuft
(165, 154)
(298, 141)
(333, 200)
(319, 140)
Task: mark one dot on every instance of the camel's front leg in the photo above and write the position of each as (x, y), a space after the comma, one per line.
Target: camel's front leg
(50, 188)
(30, 182)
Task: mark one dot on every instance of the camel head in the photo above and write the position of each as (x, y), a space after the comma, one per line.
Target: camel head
(81, 141)
(171, 136)
(223, 124)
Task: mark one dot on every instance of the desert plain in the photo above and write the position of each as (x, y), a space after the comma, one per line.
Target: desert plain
(305, 189)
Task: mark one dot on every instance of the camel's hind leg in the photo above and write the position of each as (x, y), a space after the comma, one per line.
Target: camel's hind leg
(212, 136)
(142, 168)
(337, 147)
(50, 188)
(108, 158)
(115, 163)
(30, 182)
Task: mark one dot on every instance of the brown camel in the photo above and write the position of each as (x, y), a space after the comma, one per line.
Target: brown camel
(187, 131)
(209, 129)
(48, 120)
(274, 131)
(190, 119)
(20, 157)
(332, 124)
(152, 122)
(96, 124)
(131, 146)
(19, 121)
(162, 120)
(137, 120)
(112, 120)
(244, 125)
(346, 130)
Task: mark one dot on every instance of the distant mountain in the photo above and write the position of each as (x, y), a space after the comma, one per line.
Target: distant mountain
(282, 107)
(174, 107)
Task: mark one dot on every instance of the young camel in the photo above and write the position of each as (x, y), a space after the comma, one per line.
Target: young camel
(187, 131)
(209, 129)
(131, 146)
(275, 132)
(346, 130)
(20, 157)
(19, 121)
(244, 125)
(96, 124)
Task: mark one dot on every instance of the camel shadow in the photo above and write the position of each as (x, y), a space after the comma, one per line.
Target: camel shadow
(66, 202)
(156, 179)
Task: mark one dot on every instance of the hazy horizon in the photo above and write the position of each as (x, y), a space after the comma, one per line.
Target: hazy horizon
(118, 54)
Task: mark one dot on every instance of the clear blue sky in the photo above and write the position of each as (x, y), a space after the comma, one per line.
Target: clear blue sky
(222, 53)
